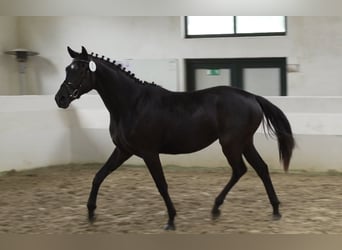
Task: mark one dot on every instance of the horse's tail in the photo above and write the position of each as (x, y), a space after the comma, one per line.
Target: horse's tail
(277, 124)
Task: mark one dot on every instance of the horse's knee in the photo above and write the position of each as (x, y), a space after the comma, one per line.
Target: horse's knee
(241, 170)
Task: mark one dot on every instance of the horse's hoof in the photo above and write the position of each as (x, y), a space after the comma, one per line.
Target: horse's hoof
(276, 216)
(215, 213)
(170, 227)
(91, 217)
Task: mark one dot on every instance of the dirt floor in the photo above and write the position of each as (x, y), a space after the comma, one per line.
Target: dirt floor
(53, 200)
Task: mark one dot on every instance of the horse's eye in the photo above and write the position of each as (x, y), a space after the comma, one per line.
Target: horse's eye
(69, 83)
(73, 66)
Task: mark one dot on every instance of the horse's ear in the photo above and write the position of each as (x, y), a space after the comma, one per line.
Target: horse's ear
(72, 53)
(84, 52)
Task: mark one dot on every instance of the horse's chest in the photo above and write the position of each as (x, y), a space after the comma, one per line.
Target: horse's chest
(117, 133)
(126, 137)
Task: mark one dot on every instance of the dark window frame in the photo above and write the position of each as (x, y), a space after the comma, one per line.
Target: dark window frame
(236, 65)
(235, 33)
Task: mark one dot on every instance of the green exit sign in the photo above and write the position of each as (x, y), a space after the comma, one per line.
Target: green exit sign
(213, 72)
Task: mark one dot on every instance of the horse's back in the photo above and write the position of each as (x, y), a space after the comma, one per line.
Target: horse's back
(226, 101)
(216, 104)
(193, 120)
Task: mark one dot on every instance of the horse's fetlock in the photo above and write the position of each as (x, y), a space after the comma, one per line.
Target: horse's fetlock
(91, 207)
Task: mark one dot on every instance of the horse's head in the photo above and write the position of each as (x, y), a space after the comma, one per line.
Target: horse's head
(78, 80)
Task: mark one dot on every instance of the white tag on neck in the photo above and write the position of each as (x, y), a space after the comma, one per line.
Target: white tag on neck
(92, 66)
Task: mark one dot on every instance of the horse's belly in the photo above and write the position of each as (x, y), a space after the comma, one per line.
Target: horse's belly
(188, 140)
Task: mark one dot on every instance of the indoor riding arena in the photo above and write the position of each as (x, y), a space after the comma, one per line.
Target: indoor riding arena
(171, 125)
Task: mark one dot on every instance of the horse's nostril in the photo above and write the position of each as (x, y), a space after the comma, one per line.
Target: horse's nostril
(62, 101)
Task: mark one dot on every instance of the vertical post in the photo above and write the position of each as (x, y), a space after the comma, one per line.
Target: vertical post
(22, 77)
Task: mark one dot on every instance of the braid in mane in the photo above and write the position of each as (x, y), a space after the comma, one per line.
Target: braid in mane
(121, 68)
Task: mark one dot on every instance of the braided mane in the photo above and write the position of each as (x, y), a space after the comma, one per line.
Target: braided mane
(119, 66)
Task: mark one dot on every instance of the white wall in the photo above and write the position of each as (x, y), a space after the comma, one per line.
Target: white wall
(317, 48)
(34, 133)
(315, 43)
(119, 38)
(8, 41)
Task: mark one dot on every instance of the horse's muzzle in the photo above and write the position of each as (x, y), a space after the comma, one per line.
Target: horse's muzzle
(62, 98)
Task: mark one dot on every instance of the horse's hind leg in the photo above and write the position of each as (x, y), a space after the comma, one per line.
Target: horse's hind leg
(234, 157)
(255, 160)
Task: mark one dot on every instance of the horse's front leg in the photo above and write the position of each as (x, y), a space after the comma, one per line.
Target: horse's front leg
(115, 160)
(155, 168)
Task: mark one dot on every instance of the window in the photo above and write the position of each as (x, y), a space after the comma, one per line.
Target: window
(210, 25)
(226, 26)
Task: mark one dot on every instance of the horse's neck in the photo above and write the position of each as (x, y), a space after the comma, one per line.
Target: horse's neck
(118, 94)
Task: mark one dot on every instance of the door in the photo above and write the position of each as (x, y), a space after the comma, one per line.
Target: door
(206, 78)
(261, 76)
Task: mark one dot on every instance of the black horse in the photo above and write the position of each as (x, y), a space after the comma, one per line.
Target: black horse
(146, 120)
